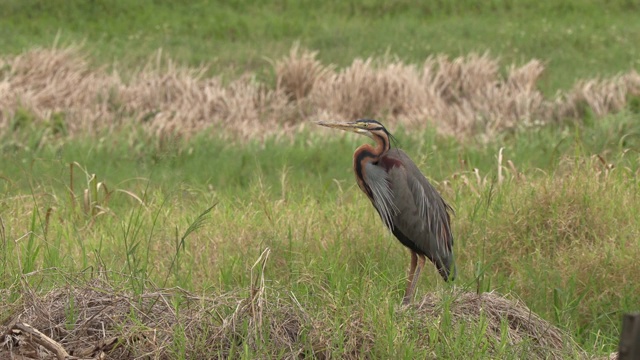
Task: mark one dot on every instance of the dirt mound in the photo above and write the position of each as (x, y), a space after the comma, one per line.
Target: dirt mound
(98, 321)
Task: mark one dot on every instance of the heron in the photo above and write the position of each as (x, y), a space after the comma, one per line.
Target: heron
(409, 206)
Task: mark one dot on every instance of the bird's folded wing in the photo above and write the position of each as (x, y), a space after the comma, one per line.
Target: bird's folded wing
(422, 214)
(377, 179)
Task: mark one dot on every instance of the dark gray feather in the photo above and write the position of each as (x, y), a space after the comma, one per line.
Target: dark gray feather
(378, 180)
(422, 215)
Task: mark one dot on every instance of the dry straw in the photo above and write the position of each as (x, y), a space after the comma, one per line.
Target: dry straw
(96, 321)
(464, 96)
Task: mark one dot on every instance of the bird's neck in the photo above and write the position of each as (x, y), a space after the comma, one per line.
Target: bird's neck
(370, 153)
(382, 145)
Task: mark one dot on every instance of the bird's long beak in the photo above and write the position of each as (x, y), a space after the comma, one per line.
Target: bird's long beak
(346, 126)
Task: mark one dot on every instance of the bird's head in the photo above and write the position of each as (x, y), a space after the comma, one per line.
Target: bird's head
(370, 128)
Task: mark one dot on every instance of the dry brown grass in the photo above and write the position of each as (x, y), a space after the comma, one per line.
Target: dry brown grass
(298, 73)
(465, 96)
(601, 96)
(97, 321)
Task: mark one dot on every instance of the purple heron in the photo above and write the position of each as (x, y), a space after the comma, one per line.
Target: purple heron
(410, 207)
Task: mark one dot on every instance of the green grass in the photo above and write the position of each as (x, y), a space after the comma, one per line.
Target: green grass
(576, 39)
(564, 240)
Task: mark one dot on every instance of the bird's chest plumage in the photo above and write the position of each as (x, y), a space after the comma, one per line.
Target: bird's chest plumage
(372, 170)
(364, 186)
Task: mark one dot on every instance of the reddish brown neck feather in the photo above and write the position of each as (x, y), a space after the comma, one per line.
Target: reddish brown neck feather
(368, 154)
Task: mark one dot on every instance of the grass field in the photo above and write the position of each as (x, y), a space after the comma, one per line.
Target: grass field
(578, 39)
(546, 214)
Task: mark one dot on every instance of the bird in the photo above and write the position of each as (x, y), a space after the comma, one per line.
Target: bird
(409, 206)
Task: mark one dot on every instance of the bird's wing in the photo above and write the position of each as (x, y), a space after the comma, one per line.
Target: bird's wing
(422, 216)
(377, 179)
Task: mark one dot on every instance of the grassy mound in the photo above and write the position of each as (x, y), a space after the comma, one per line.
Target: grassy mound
(98, 321)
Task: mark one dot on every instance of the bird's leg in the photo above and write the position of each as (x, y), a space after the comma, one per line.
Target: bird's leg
(414, 281)
(407, 293)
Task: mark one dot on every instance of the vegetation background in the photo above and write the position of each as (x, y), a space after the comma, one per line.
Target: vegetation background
(154, 145)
